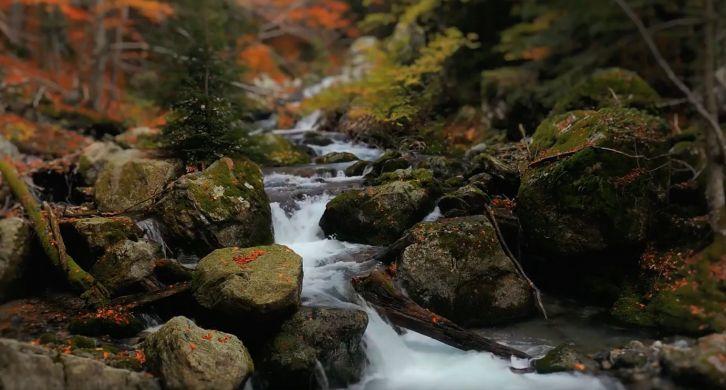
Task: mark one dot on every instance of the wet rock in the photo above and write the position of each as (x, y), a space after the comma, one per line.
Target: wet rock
(8, 149)
(612, 87)
(26, 366)
(563, 358)
(493, 175)
(466, 200)
(189, 357)
(275, 150)
(93, 158)
(443, 167)
(15, 241)
(585, 192)
(88, 238)
(250, 284)
(378, 215)
(315, 138)
(330, 337)
(423, 176)
(336, 157)
(358, 168)
(126, 264)
(225, 205)
(456, 268)
(701, 365)
(387, 162)
(129, 180)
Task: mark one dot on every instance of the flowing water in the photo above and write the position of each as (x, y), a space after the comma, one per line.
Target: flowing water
(395, 361)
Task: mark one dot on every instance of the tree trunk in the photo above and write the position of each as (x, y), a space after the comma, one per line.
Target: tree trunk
(52, 243)
(715, 179)
(99, 57)
(116, 61)
(378, 289)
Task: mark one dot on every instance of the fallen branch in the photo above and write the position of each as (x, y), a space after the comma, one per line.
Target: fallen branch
(52, 244)
(146, 298)
(377, 289)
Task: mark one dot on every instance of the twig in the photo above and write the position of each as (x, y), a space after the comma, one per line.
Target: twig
(517, 265)
(524, 141)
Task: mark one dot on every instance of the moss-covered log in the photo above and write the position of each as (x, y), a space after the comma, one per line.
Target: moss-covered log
(78, 278)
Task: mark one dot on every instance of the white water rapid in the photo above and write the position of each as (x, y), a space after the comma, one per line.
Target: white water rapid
(408, 361)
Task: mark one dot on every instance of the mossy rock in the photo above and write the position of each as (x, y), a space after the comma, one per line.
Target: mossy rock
(224, 205)
(562, 358)
(595, 182)
(358, 168)
(378, 215)
(262, 283)
(88, 238)
(189, 357)
(388, 162)
(700, 366)
(130, 181)
(114, 322)
(466, 200)
(126, 264)
(93, 158)
(312, 336)
(692, 301)
(15, 246)
(316, 138)
(457, 268)
(612, 87)
(275, 150)
(336, 157)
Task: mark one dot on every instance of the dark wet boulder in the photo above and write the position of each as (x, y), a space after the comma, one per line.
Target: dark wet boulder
(612, 87)
(88, 238)
(126, 264)
(336, 157)
(443, 167)
(595, 182)
(378, 215)
(255, 284)
(223, 206)
(15, 244)
(358, 168)
(316, 138)
(493, 174)
(456, 268)
(423, 176)
(129, 180)
(27, 366)
(466, 200)
(312, 337)
(189, 357)
(562, 358)
(388, 162)
(700, 365)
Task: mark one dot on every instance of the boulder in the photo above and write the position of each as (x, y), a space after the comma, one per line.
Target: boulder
(699, 366)
(276, 150)
(387, 162)
(316, 138)
(89, 238)
(15, 242)
(612, 87)
(588, 189)
(312, 337)
(564, 357)
(249, 284)
(358, 168)
(126, 264)
(130, 181)
(456, 268)
(378, 215)
(493, 174)
(466, 200)
(8, 149)
(223, 206)
(189, 357)
(27, 366)
(93, 158)
(336, 157)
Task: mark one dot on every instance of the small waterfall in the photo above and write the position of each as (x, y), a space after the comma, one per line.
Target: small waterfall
(152, 232)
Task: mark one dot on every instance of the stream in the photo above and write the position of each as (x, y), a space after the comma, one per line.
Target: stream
(396, 361)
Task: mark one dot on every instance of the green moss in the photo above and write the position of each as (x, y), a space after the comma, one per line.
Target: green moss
(613, 87)
(275, 150)
(336, 157)
(82, 342)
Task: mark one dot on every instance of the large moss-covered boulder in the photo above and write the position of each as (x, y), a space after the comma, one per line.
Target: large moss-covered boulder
(466, 200)
(125, 264)
(379, 215)
(225, 205)
(94, 157)
(612, 87)
(456, 268)
(15, 241)
(261, 282)
(129, 180)
(89, 238)
(189, 357)
(276, 150)
(595, 182)
(330, 337)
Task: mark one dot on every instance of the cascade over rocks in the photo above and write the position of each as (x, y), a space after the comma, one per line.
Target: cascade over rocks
(329, 336)
(130, 180)
(189, 357)
(249, 284)
(379, 215)
(456, 267)
(223, 206)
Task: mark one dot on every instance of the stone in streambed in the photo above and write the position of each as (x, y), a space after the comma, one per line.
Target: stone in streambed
(189, 357)
(223, 206)
(126, 264)
(336, 157)
(358, 168)
(249, 284)
(15, 241)
(326, 336)
(456, 268)
(563, 358)
(88, 238)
